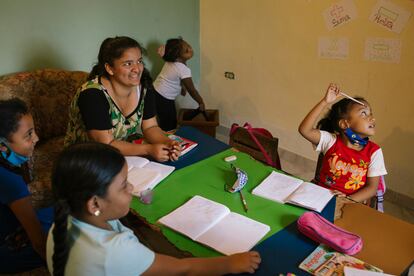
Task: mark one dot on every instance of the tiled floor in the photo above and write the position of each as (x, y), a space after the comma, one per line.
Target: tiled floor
(305, 169)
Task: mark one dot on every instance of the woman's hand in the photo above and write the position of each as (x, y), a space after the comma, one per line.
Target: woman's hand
(244, 262)
(332, 93)
(202, 107)
(175, 150)
(160, 152)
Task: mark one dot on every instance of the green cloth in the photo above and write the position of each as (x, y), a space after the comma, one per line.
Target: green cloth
(207, 178)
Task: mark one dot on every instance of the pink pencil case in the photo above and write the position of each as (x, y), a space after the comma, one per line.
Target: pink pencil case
(315, 227)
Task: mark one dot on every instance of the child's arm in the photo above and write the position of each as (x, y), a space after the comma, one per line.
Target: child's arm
(307, 127)
(237, 263)
(25, 213)
(368, 191)
(189, 86)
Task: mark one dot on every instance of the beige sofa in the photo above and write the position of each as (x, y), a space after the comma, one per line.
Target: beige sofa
(48, 93)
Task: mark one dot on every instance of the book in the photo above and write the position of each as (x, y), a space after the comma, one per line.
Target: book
(326, 262)
(186, 144)
(287, 189)
(144, 174)
(212, 224)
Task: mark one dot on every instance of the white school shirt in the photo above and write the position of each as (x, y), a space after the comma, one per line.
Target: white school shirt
(96, 251)
(168, 82)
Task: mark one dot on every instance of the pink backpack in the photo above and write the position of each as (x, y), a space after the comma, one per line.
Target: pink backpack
(257, 131)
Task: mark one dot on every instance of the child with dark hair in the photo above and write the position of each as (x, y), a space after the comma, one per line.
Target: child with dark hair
(89, 182)
(352, 165)
(22, 228)
(175, 77)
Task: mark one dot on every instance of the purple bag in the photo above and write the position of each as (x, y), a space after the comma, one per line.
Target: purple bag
(315, 227)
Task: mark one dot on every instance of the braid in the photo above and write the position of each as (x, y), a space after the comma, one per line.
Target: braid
(61, 250)
(80, 172)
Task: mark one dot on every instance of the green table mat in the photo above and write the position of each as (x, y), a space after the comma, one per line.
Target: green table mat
(207, 178)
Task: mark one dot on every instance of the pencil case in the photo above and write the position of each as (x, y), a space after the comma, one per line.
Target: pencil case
(317, 228)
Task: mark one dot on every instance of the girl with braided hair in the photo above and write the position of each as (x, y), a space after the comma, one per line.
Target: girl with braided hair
(90, 184)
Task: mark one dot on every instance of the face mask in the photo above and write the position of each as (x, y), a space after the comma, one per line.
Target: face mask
(355, 138)
(12, 157)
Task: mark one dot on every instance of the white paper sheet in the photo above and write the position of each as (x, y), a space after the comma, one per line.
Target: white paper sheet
(195, 217)
(277, 187)
(234, 234)
(383, 50)
(311, 196)
(339, 14)
(389, 16)
(333, 47)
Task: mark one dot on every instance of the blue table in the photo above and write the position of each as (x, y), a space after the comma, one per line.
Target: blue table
(285, 250)
(207, 146)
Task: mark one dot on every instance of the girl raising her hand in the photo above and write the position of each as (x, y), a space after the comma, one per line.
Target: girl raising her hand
(352, 165)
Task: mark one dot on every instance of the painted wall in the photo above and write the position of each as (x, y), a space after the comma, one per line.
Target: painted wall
(67, 34)
(271, 46)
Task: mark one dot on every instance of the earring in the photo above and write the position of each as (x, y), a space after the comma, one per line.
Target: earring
(97, 213)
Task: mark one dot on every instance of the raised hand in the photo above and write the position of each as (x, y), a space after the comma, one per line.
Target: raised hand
(332, 93)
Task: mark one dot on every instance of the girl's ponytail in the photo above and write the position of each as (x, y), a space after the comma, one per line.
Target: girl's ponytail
(61, 249)
(326, 124)
(97, 70)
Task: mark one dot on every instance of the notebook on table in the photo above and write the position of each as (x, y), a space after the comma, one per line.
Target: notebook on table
(287, 189)
(144, 174)
(214, 225)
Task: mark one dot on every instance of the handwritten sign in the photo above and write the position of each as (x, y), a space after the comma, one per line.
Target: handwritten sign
(383, 50)
(333, 47)
(339, 14)
(390, 16)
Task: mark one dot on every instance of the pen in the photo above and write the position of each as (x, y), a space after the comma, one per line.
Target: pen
(349, 97)
(349, 198)
(243, 201)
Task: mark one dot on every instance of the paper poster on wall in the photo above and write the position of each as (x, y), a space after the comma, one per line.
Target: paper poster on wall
(383, 50)
(390, 16)
(339, 14)
(333, 47)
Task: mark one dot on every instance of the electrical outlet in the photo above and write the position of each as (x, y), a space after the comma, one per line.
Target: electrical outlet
(229, 75)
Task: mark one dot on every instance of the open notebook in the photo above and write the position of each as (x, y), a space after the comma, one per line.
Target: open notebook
(144, 174)
(287, 189)
(212, 224)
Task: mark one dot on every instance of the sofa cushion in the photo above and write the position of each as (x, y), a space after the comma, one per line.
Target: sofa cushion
(43, 158)
(48, 93)
(53, 92)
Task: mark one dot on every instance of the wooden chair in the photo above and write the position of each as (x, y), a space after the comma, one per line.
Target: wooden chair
(241, 140)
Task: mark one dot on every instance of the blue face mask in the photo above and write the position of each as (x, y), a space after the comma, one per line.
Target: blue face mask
(13, 158)
(355, 138)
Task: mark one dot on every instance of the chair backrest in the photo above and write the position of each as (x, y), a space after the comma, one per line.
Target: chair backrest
(241, 140)
(48, 93)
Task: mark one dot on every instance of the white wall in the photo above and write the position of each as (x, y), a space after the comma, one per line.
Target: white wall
(271, 46)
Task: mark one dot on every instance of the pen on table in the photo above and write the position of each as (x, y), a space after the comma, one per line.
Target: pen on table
(243, 201)
(349, 198)
(349, 97)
